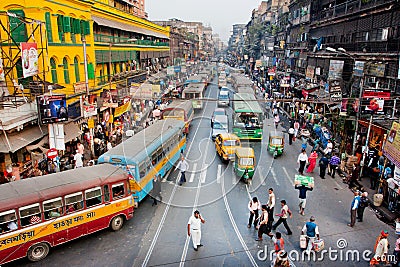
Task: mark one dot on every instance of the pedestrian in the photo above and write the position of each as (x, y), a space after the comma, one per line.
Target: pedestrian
(183, 166)
(254, 206)
(396, 252)
(312, 232)
(263, 227)
(291, 135)
(323, 164)
(279, 243)
(296, 127)
(381, 250)
(271, 205)
(312, 159)
(109, 145)
(194, 229)
(362, 205)
(302, 160)
(303, 196)
(282, 260)
(276, 120)
(333, 165)
(156, 192)
(78, 158)
(354, 207)
(285, 211)
(329, 148)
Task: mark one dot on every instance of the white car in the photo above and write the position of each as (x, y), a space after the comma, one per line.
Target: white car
(220, 125)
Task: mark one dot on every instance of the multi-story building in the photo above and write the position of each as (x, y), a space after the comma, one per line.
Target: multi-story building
(119, 42)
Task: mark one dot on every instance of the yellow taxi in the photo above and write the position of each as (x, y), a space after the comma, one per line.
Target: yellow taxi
(226, 144)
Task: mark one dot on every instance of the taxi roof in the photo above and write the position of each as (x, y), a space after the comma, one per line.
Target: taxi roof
(229, 136)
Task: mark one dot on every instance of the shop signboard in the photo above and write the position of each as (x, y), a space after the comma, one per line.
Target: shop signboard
(358, 68)
(122, 109)
(391, 148)
(90, 123)
(335, 90)
(170, 70)
(377, 70)
(29, 57)
(52, 108)
(80, 87)
(177, 69)
(335, 69)
(310, 72)
(89, 110)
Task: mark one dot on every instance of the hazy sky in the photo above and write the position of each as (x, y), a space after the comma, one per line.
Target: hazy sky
(219, 14)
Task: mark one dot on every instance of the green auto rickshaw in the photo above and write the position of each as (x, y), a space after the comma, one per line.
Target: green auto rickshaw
(244, 164)
(276, 143)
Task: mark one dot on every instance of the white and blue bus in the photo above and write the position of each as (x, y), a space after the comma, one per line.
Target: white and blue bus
(152, 151)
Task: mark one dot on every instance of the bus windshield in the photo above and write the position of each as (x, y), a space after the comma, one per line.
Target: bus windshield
(231, 142)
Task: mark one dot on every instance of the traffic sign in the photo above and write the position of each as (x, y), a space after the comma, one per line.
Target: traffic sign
(52, 153)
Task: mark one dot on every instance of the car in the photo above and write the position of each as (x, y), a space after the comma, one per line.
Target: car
(217, 111)
(223, 98)
(220, 126)
(226, 144)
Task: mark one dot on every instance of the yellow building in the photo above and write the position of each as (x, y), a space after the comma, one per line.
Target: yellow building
(117, 41)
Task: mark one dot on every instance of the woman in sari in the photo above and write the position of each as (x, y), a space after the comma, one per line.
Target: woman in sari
(312, 160)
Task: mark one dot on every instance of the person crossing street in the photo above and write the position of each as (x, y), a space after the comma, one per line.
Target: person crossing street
(285, 212)
(194, 229)
(183, 166)
(310, 229)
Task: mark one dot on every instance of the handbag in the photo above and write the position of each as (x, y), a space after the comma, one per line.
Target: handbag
(318, 245)
(303, 241)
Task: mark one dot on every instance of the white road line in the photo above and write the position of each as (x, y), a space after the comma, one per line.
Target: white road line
(203, 173)
(193, 172)
(155, 238)
(274, 177)
(260, 171)
(219, 173)
(288, 176)
(244, 245)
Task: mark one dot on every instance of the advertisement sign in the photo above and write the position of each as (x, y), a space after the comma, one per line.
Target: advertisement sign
(29, 57)
(2, 78)
(144, 91)
(170, 70)
(391, 148)
(377, 70)
(74, 110)
(372, 94)
(80, 87)
(335, 69)
(122, 109)
(335, 90)
(358, 68)
(89, 110)
(52, 108)
(310, 72)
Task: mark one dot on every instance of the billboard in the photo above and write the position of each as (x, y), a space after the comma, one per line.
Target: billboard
(29, 57)
(335, 69)
(391, 149)
(52, 108)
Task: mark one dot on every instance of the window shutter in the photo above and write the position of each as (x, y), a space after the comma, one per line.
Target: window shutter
(86, 24)
(48, 27)
(67, 24)
(17, 27)
(90, 71)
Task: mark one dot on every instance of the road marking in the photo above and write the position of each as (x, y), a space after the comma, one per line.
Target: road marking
(288, 176)
(193, 172)
(274, 177)
(219, 173)
(244, 245)
(260, 171)
(203, 173)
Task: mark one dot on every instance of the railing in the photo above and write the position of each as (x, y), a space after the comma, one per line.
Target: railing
(125, 40)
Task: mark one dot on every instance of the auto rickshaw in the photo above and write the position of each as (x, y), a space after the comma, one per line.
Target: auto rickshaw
(276, 143)
(244, 164)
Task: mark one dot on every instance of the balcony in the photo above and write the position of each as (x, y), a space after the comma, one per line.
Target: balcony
(126, 40)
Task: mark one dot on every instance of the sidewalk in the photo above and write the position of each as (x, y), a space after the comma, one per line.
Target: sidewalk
(381, 212)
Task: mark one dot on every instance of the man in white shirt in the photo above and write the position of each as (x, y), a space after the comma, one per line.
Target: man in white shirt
(271, 205)
(291, 135)
(194, 228)
(78, 160)
(329, 147)
(302, 160)
(182, 166)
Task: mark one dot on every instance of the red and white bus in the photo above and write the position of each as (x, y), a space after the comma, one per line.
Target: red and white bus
(42, 212)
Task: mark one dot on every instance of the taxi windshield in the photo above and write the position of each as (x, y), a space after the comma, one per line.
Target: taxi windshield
(231, 143)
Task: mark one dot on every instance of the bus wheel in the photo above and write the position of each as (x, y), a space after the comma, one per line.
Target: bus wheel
(117, 223)
(38, 252)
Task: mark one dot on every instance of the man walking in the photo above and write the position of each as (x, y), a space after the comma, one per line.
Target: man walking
(264, 227)
(323, 164)
(302, 196)
(291, 134)
(194, 228)
(333, 165)
(354, 206)
(285, 211)
(302, 160)
(271, 205)
(182, 166)
(296, 127)
(156, 192)
(311, 230)
(362, 205)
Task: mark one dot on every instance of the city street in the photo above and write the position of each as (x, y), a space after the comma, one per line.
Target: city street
(157, 236)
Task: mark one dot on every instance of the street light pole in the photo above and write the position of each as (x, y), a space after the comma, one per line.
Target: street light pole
(85, 65)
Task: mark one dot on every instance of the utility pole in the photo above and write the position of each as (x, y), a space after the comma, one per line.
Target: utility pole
(85, 65)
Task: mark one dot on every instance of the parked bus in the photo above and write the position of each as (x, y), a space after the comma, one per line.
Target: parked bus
(152, 151)
(180, 110)
(247, 117)
(194, 92)
(45, 211)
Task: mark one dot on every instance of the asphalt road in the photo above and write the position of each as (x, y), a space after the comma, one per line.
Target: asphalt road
(157, 236)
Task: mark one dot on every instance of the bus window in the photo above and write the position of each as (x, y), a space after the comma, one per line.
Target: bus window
(30, 214)
(74, 202)
(93, 197)
(52, 208)
(8, 221)
(106, 193)
(118, 191)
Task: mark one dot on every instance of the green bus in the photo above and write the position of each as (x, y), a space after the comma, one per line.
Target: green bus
(247, 117)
